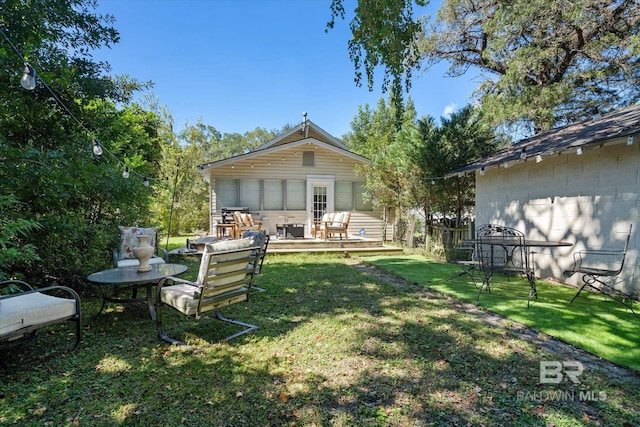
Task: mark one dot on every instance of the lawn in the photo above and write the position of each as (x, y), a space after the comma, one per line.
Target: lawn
(592, 322)
(338, 345)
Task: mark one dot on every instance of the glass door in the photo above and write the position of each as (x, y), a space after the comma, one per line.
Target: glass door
(319, 202)
(319, 198)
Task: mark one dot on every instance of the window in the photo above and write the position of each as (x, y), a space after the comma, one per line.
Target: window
(296, 195)
(273, 194)
(308, 158)
(344, 195)
(361, 204)
(226, 192)
(250, 193)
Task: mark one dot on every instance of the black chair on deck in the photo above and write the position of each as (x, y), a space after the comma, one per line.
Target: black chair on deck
(597, 278)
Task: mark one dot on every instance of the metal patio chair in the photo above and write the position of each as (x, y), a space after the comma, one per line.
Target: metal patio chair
(588, 262)
(226, 276)
(503, 250)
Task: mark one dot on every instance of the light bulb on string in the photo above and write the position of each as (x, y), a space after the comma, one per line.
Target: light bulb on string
(28, 80)
(125, 172)
(145, 182)
(97, 148)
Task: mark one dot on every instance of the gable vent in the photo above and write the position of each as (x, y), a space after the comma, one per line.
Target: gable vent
(308, 158)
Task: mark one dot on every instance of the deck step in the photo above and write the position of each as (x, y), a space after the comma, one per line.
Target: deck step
(355, 245)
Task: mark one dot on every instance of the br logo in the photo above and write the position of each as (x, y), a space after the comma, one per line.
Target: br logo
(554, 371)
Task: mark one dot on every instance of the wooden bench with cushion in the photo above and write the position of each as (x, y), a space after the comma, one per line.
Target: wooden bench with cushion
(24, 310)
(338, 223)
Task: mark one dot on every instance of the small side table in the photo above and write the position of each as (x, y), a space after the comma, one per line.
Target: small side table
(128, 278)
(289, 231)
(220, 230)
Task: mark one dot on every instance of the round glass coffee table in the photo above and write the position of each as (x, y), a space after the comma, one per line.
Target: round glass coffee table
(117, 280)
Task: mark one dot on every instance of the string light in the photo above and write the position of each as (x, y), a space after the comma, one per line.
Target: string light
(538, 158)
(28, 80)
(523, 154)
(579, 151)
(97, 148)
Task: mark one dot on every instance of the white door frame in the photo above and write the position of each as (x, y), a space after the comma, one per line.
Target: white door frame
(319, 181)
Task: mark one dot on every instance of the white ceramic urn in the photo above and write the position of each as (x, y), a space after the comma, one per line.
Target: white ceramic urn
(143, 252)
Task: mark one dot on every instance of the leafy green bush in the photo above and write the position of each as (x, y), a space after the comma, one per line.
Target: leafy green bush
(14, 252)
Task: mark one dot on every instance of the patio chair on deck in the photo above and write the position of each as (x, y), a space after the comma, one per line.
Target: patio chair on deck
(339, 224)
(245, 222)
(503, 250)
(226, 276)
(319, 225)
(597, 277)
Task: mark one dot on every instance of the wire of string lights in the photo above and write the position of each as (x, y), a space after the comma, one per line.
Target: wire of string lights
(29, 81)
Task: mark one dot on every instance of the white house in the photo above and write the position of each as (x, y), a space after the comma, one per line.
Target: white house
(295, 178)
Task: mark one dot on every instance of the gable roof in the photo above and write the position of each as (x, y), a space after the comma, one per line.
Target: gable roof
(304, 134)
(308, 129)
(588, 134)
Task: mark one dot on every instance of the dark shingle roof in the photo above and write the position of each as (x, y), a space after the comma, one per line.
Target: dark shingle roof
(586, 134)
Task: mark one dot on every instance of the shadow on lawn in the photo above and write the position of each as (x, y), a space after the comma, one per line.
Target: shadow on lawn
(592, 322)
(336, 346)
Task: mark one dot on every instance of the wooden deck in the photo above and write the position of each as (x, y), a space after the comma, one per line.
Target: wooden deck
(353, 245)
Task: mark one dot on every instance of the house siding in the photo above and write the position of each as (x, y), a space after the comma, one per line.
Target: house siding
(286, 164)
(588, 200)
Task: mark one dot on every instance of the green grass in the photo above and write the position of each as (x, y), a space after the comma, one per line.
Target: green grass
(337, 346)
(592, 322)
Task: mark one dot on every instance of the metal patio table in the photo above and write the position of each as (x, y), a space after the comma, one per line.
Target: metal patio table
(118, 280)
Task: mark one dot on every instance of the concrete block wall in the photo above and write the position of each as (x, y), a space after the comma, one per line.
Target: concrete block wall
(588, 200)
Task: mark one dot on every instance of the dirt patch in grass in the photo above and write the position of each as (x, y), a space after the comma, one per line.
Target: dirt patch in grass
(516, 329)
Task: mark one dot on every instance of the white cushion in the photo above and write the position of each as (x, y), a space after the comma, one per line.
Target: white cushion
(221, 246)
(182, 297)
(31, 309)
(337, 220)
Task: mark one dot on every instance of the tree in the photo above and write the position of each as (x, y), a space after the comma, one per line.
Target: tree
(373, 136)
(544, 63)
(199, 144)
(12, 229)
(460, 139)
(77, 198)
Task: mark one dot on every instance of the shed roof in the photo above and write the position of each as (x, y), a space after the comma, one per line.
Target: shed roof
(624, 123)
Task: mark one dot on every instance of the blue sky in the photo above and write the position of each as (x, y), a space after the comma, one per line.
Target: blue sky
(241, 64)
